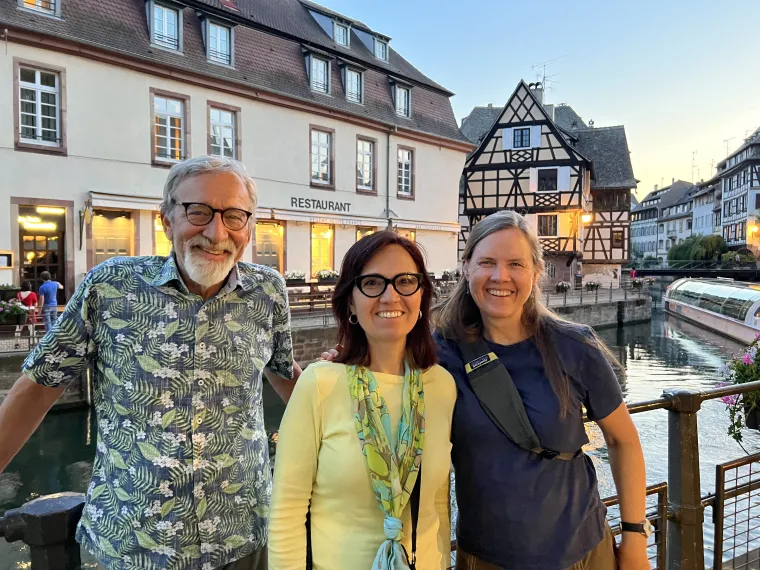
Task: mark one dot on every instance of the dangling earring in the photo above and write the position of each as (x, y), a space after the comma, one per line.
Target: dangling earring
(466, 287)
(353, 319)
(420, 317)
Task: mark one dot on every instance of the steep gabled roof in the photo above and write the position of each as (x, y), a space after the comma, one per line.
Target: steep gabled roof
(268, 54)
(606, 148)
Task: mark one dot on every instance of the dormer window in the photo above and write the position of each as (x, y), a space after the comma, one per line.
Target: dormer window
(320, 75)
(403, 101)
(51, 7)
(354, 86)
(381, 50)
(341, 34)
(219, 48)
(166, 26)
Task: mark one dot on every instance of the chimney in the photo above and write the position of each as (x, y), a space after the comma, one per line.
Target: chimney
(490, 105)
(538, 91)
(674, 181)
(549, 111)
(655, 187)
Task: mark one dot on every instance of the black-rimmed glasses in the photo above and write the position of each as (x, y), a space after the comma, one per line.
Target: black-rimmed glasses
(374, 285)
(200, 214)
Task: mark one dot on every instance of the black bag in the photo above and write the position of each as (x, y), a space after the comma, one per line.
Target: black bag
(499, 398)
(415, 505)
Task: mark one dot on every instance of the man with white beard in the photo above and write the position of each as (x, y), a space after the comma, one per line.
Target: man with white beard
(178, 347)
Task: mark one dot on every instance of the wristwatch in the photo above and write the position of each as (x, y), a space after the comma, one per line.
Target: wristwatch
(644, 527)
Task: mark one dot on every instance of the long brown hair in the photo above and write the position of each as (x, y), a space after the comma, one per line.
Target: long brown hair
(459, 317)
(420, 347)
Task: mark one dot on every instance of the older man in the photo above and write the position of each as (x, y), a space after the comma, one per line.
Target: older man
(181, 477)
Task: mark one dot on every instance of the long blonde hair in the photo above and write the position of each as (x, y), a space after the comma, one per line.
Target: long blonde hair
(459, 317)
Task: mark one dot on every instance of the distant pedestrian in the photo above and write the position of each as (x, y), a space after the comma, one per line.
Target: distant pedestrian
(49, 299)
(28, 298)
(633, 273)
(178, 347)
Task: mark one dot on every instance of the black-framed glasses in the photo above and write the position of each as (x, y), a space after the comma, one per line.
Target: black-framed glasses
(200, 214)
(374, 285)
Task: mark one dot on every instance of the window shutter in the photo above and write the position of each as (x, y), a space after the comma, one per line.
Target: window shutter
(507, 139)
(535, 136)
(533, 180)
(563, 179)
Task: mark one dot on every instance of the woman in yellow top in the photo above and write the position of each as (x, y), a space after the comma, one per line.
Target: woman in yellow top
(356, 431)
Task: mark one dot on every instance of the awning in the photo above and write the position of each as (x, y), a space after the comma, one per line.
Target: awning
(429, 226)
(123, 202)
(319, 218)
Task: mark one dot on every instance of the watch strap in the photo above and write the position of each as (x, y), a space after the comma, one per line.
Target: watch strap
(632, 527)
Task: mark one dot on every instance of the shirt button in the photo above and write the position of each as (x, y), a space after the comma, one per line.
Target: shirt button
(199, 421)
(200, 383)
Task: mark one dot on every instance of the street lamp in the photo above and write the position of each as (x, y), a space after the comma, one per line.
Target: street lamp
(586, 218)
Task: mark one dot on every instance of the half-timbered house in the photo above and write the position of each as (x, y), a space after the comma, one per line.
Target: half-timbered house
(572, 181)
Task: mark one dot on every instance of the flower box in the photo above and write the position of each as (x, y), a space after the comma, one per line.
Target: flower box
(562, 287)
(327, 276)
(743, 409)
(295, 282)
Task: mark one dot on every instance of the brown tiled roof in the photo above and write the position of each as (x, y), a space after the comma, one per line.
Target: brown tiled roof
(268, 54)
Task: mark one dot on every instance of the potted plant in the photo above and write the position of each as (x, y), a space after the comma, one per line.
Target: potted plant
(562, 287)
(327, 276)
(293, 278)
(451, 275)
(592, 285)
(743, 409)
(13, 313)
(8, 292)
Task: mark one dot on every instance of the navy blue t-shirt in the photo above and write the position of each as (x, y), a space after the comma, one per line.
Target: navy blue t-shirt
(517, 510)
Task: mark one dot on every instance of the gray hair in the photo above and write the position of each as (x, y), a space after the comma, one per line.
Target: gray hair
(203, 165)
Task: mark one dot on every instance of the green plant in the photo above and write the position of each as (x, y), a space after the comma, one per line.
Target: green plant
(295, 275)
(9, 288)
(592, 285)
(451, 275)
(327, 274)
(562, 287)
(11, 310)
(741, 369)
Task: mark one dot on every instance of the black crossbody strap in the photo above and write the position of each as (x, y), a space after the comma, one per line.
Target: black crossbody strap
(415, 501)
(501, 401)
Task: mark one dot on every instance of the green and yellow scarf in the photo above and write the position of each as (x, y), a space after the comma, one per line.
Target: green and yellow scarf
(393, 469)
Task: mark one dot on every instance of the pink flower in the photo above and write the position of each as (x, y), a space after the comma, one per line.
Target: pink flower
(730, 400)
(747, 359)
(757, 337)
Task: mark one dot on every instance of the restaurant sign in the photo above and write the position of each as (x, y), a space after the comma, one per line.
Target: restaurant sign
(320, 205)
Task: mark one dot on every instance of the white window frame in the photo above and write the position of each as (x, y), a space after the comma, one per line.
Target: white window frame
(401, 109)
(336, 26)
(224, 130)
(313, 60)
(167, 116)
(48, 7)
(557, 171)
(154, 33)
(39, 90)
(365, 161)
(405, 172)
(381, 50)
(321, 150)
(214, 43)
(513, 138)
(556, 225)
(360, 80)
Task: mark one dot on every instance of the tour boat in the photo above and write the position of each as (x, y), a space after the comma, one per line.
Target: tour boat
(725, 306)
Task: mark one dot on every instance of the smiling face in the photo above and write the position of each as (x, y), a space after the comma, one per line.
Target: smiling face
(206, 254)
(501, 275)
(389, 317)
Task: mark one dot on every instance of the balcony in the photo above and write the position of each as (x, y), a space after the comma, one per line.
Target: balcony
(557, 245)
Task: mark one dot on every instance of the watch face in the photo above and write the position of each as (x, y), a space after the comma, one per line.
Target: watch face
(648, 528)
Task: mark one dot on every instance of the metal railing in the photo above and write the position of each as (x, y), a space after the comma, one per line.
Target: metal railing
(676, 508)
(690, 264)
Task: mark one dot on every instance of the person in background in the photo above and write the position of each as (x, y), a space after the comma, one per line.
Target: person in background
(28, 298)
(48, 299)
(179, 347)
(361, 434)
(519, 509)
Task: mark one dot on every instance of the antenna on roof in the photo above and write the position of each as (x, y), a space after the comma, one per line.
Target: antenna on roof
(693, 164)
(727, 141)
(541, 76)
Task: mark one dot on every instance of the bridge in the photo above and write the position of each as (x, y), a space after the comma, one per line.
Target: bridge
(737, 270)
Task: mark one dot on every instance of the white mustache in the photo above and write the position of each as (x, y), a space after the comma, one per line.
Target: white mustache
(224, 246)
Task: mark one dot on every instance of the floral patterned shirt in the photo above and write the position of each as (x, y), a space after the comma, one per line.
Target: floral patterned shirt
(181, 479)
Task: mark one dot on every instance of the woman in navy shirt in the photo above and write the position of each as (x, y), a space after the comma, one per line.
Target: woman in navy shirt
(517, 509)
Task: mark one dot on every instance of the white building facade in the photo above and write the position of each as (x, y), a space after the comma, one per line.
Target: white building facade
(341, 140)
(706, 221)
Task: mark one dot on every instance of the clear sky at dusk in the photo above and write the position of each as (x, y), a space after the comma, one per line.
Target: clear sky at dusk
(681, 75)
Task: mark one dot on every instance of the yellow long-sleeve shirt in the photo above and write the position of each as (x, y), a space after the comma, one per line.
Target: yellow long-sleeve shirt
(319, 459)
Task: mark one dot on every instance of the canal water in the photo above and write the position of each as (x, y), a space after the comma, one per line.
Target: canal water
(665, 353)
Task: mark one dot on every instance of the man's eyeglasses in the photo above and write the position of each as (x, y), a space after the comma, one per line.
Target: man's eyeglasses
(374, 285)
(200, 214)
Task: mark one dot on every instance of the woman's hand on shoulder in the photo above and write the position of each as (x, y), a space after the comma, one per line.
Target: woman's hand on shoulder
(332, 354)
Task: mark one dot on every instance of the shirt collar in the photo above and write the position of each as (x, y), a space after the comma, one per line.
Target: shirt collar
(169, 272)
